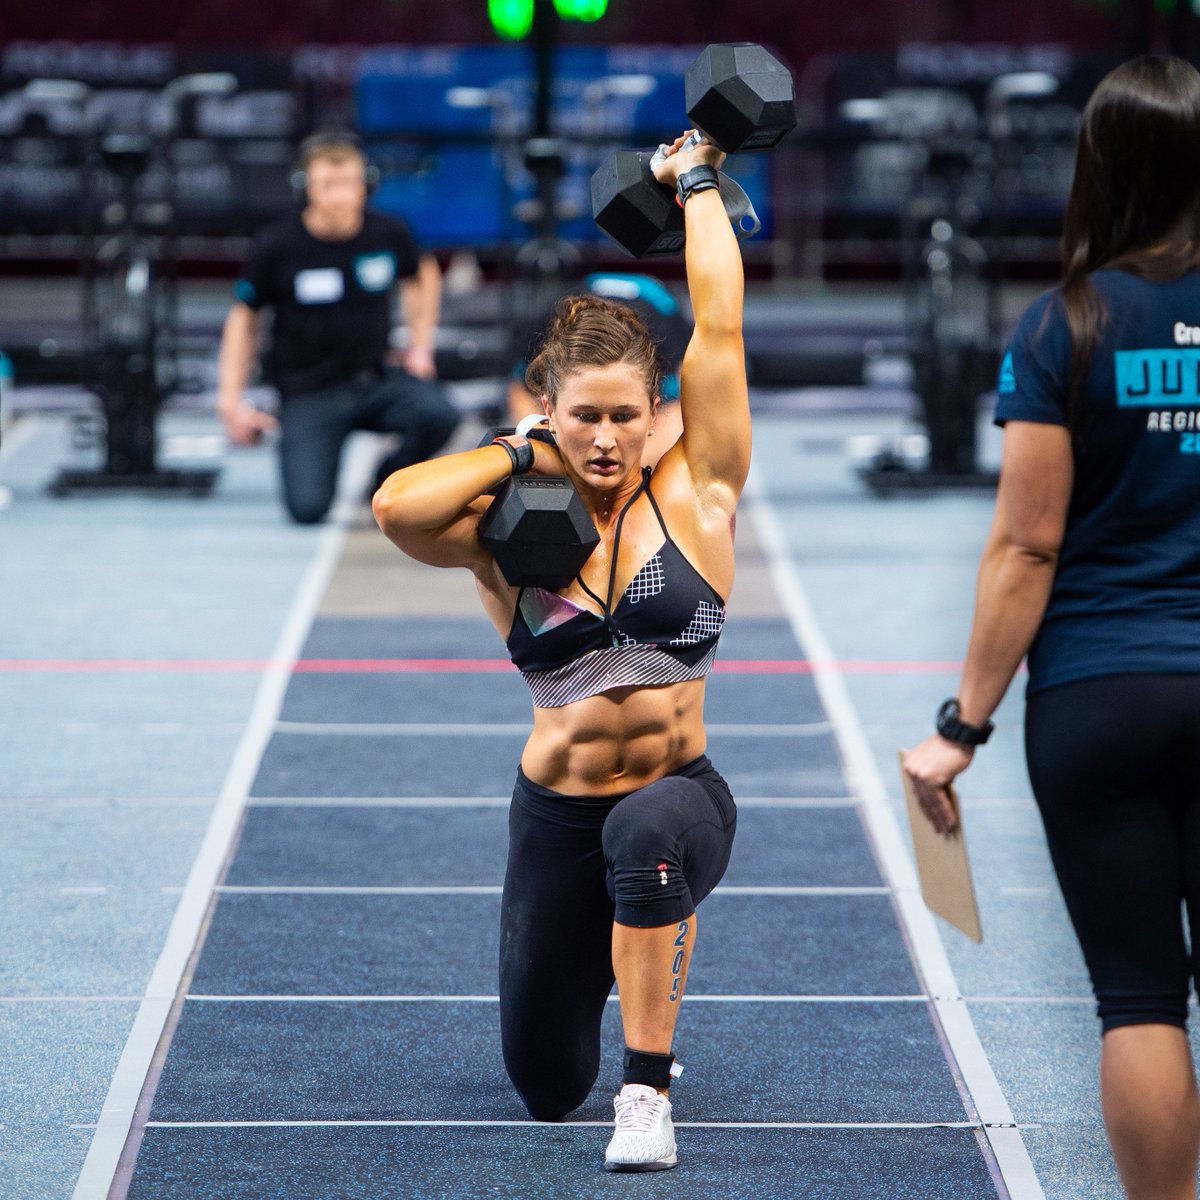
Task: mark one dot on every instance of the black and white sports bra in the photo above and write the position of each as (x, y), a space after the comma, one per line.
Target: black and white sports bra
(663, 629)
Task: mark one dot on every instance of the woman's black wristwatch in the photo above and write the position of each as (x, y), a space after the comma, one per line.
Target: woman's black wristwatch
(955, 730)
(698, 179)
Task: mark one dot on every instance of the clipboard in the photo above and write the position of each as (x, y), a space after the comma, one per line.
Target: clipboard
(942, 865)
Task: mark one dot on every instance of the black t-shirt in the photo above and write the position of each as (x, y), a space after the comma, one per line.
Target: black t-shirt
(1126, 594)
(332, 300)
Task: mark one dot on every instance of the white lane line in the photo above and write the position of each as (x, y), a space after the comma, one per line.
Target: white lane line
(449, 729)
(769, 890)
(413, 729)
(796, 802)
(334, 999)
(528, 1124)
(505, 801)
(116, 1117)
(407, 890)
(933, 966)
(449, 889)
(700, 998)
(1031, 999)
(380, 801)
(767, 998)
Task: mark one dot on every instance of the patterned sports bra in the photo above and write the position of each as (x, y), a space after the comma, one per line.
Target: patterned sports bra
(664, 628)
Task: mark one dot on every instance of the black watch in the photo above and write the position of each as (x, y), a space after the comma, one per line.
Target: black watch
(955, 730)
(698, 179)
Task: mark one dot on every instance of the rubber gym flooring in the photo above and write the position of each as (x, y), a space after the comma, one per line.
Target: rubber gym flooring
(254, 811)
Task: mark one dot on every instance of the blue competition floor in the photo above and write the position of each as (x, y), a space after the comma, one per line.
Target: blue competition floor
(348, 974)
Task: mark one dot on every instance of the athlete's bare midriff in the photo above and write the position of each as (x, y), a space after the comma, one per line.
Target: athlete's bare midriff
(617, 741)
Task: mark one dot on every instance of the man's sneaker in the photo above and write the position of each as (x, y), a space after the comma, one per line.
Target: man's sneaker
(644, 1139)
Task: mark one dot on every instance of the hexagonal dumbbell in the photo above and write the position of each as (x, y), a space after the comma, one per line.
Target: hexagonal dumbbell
(741, 98)
(538, 531)
(633, 208)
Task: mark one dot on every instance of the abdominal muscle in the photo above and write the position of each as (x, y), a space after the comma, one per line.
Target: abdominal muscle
(618, 741)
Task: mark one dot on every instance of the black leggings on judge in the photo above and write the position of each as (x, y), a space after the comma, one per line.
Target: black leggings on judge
(576, 863)
(1115, 767)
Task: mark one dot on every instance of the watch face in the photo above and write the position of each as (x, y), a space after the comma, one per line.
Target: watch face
(954, 729)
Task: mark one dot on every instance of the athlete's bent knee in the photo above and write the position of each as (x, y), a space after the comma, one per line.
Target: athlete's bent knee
(645, 873)
(307, 514)
(550, 1099)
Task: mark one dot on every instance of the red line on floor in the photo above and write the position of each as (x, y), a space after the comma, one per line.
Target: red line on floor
(406, 666)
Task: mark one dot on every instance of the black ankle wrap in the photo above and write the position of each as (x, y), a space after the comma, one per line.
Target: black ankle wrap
(654, 1070)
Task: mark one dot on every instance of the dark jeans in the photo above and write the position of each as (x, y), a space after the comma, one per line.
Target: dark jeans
(314, 427)
(1115, 766)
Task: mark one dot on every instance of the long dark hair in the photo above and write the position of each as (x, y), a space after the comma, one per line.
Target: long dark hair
(1135, 199)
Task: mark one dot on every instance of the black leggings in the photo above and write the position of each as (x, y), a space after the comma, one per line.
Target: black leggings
(1115, 766)
(576, 863)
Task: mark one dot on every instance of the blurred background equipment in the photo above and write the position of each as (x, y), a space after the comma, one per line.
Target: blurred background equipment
(912, 212)
(128, 265)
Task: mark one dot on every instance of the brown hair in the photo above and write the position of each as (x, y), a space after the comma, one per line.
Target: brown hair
(330, 146)
(1136, 189)
(590, 331)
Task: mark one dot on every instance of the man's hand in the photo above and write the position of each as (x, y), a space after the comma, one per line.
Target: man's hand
(244, 423)
(932, 766)
(418, 361)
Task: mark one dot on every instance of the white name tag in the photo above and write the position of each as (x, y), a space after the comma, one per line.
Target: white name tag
(320, 285)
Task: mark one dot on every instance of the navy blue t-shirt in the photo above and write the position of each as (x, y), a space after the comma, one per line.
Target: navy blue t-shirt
(1126, 594)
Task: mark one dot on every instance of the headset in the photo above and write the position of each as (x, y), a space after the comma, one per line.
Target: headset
(321, 140)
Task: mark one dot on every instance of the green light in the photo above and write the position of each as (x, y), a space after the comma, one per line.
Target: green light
(580, 10)
(511, 19)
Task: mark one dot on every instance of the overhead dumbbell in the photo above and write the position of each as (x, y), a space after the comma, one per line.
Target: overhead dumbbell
(740, 98)
(537, 528)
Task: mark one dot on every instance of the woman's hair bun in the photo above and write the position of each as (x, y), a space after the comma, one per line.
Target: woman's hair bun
(591, 331)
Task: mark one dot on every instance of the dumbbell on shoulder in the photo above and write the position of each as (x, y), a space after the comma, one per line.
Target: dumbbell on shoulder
(537, 529)
(741, 98)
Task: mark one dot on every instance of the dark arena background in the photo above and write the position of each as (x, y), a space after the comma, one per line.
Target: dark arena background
(254, 775)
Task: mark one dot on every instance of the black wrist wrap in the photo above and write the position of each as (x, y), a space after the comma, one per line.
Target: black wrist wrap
(654, 1070)
(698, 179)
(519, 450)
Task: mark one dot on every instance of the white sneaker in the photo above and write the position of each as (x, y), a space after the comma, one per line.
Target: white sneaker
(644, 1139)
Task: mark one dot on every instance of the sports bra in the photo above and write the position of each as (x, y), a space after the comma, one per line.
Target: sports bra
(663, 629)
